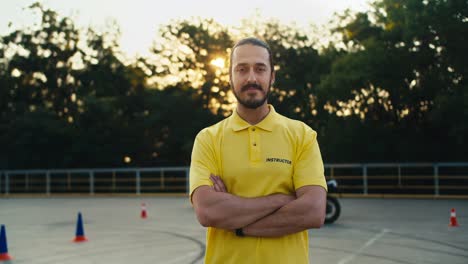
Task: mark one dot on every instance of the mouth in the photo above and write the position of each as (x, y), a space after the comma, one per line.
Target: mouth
(249, 88)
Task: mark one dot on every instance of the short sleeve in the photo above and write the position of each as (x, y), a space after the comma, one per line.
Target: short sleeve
(203, 162)
(308, 169)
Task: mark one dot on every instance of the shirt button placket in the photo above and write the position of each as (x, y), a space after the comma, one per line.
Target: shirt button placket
(255, 151)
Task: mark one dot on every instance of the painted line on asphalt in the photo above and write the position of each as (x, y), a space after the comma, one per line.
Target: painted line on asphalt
(183, 257)
(371, 241)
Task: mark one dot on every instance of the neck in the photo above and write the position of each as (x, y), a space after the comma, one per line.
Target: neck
(253, 116)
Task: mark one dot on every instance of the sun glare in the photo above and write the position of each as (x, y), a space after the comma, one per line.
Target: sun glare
(218, 62)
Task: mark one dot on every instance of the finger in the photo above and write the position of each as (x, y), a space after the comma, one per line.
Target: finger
(221, 184)
(217, 184)
(214, 179)
(214, 186)
(219, 188)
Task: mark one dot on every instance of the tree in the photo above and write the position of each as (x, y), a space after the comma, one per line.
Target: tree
(298, 70)
(399, 67)
(50, 72)
(193, 54)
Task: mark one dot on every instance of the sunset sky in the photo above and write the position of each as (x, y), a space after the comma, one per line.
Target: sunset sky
(139, 19)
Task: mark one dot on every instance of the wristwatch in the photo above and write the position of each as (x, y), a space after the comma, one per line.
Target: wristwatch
(239, 232)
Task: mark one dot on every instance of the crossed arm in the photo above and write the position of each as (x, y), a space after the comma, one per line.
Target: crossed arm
(268, 216)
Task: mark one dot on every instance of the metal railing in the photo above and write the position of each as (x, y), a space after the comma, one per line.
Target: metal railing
(93, 181)
(401, 178)
(433, 179)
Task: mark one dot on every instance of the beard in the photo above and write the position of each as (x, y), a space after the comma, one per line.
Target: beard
(251, 102)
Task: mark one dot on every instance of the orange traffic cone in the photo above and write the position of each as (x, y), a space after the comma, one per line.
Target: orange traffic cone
(453, 218)
(3, 246)
(143, 211)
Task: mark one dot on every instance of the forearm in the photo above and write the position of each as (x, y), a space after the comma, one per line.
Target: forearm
(301, 214)
(228, 211)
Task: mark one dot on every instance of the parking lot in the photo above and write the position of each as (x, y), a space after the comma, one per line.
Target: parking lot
(384, 231)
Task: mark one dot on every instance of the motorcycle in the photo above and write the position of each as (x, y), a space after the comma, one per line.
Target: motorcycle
(333, 205)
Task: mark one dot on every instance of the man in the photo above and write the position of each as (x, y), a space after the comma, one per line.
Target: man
(257, 178)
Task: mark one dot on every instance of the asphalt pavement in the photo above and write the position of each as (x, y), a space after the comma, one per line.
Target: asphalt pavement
(369, 230)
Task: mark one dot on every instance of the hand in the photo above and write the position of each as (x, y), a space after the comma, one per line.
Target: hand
(218, 184)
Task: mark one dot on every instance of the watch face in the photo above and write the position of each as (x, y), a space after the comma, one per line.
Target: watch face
(239, 232)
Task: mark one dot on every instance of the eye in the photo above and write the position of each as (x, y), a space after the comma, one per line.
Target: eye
(240, 69)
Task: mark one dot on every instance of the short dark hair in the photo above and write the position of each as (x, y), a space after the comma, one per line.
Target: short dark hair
(255, 42)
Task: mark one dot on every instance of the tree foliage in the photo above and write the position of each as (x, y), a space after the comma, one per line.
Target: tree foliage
(69, 101)
(397, 77)
(391, 86)
(187, 51)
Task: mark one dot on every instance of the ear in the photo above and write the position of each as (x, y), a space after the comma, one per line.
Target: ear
(272, 78)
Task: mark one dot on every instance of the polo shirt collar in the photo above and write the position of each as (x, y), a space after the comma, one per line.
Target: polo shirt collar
(238, 124)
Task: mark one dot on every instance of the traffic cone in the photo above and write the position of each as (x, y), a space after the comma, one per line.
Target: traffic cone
(143, 211)
(453, 218)
(80, 236)
(3, 245)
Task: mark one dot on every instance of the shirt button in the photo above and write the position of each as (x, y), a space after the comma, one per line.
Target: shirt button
(255, 144)
(253, 129)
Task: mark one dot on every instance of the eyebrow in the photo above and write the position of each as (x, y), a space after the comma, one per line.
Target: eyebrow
(247, 64)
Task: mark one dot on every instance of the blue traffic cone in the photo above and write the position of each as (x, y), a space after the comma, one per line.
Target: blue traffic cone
(3, 245)
(80, 236)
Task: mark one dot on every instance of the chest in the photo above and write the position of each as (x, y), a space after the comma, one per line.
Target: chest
(256, 162)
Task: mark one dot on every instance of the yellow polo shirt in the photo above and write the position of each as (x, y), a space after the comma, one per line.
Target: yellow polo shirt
(277, 155)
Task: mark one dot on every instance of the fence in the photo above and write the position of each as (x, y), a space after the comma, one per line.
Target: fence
(434, 179)
(95, 181)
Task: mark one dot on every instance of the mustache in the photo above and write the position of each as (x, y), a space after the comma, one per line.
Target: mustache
(251, 85)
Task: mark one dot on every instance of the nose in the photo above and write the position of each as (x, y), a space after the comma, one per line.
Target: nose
(252, 78)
